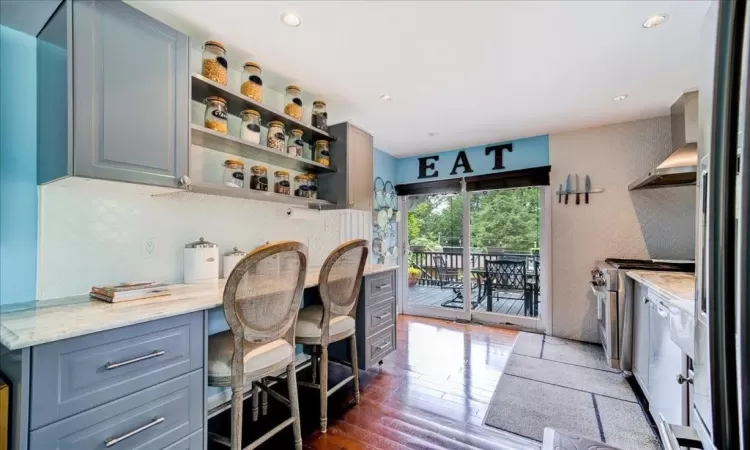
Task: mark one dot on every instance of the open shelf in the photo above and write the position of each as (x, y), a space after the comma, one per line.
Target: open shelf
(202, 87)
(233, 145)
(250, 194)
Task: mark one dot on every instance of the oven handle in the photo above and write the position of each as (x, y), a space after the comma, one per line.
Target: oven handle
(597, 290)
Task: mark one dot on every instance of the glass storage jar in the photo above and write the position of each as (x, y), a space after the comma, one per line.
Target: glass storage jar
(276, 138)
(234, 173)
(300, 186)
(322, 155)
(293, 102)
(295, 145)
(319, 115)
(252, 84)
(312, 185)
(259, 178)
(281, 182)
(216, 114)
(215, 62)
(250, 126)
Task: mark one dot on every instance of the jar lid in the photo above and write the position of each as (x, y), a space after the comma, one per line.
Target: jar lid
(214, 98)
(301, 177)
(201, 243)
(235, 252)
(275, 123)
(233, 162)
(321, 141)
(215, 44)
(252, 64)
(281, 173)
(311, 176)
(291, 86)
(262, 169)
(319, 103)
(251, 112)
(296, 132)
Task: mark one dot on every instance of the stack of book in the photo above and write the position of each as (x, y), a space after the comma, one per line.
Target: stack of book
(129, 291)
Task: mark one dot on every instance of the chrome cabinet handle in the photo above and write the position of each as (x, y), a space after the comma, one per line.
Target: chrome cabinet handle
(383, 286)
(681, 379)
(109, 442)
(646, 301)
(382, 346)
(115, 365)
(383, 316)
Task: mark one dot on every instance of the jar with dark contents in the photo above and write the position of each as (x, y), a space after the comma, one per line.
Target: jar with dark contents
(216, 115)
(293, 102)
(259, 178)
(215, 62)
(281, 182)
(319, 115)
(234, 173)
(312, 185)
(252, 84)
(322, 154)
(276, 138)
(250, 126)
(295, 145)
(300, 186)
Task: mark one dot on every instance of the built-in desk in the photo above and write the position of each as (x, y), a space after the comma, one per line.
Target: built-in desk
(84, 371)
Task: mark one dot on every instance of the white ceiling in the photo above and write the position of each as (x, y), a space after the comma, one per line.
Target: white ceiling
(474, 72)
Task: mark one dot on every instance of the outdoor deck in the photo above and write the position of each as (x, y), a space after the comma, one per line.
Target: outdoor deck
(433, 296)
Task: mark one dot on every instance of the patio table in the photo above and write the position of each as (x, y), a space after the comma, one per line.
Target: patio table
(532, 278)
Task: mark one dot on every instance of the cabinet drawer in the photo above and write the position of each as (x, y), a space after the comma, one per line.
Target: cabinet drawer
(151, 419)
(78, 374)
(380, 345)
(192, 442)
(379, 286)
(380, 316)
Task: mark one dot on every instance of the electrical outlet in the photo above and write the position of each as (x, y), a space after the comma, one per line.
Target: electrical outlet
(149, 247)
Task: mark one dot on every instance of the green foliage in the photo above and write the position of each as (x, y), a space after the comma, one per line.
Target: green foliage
(506, 218)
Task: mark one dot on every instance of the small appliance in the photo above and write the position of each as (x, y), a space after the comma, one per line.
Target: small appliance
(230, 260)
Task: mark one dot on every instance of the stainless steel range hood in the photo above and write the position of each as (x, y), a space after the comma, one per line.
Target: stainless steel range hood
(679, 169)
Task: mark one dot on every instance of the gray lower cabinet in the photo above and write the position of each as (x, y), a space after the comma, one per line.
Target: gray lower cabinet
(351, 186)
(641, 335)
(376, 319)
(118, 83)
(192, 442)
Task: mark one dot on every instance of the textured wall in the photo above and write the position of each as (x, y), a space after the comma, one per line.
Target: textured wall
(384, 166)
(656, 223)
(18, 191)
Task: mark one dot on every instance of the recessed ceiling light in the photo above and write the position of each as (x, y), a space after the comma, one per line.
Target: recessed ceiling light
(432, 133)
(619, 98)
(291, 19)
(655, 20)
(386, 97)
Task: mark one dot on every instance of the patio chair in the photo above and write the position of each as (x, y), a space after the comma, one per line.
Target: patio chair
(447, 276)
(504, 275)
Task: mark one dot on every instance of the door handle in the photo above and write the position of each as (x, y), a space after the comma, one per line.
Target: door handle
(681, 379)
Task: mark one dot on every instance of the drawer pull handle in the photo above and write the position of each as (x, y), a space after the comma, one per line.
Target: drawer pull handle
(154, 354)
(383, 286)
(109, 442)
(383, 316)
(382, 346)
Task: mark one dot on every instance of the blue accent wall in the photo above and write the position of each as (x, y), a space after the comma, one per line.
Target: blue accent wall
(527, 153)
(18, 188)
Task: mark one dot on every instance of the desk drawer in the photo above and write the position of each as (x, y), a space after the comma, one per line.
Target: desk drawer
(78, 374)
(192, 442)
(151, 419)
(380, 316)
(380, 345)
(379, 286)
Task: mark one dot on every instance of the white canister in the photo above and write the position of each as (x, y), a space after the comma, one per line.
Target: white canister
(201, 262)
(230, 260)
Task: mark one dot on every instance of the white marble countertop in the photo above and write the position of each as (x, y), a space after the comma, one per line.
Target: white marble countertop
(677, 287)
(54, 320)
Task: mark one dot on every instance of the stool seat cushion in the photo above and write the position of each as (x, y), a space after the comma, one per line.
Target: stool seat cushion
(308, 323)
(257, 356)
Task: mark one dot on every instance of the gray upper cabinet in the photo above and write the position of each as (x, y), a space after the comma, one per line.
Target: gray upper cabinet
(127, 84)
(350, 187)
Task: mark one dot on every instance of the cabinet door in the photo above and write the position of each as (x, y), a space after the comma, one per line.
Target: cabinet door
(641, 333)
(130, 95)
(359, 169)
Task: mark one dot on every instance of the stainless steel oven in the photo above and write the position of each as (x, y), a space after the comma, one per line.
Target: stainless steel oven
(607, 315)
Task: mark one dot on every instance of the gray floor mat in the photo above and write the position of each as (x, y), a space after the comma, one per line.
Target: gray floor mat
(566, 375)
(625, 426)
(573, 352)
(529, 344)
(525, 407)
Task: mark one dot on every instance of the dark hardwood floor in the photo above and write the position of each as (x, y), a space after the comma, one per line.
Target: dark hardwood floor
(432, 393)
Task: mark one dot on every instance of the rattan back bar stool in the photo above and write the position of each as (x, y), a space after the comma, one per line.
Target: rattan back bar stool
(261, 302)
(334, 320)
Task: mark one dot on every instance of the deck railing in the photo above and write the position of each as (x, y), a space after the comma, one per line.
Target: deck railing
(426, 262)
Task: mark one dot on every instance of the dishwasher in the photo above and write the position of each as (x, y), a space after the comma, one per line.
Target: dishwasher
(665, 364)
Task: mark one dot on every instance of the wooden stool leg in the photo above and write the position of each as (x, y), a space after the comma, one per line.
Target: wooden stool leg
(355, 366)
(236, 442)
(323, 388)
(314, 360)
(256, 395)
(291, 379)
(264, 402)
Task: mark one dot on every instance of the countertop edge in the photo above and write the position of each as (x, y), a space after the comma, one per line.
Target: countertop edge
(675, 300)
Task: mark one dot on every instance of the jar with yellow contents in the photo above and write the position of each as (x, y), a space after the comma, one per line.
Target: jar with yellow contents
(252, 84)
(216, 115)
(293, 102)
(215, 62)
(322, 154)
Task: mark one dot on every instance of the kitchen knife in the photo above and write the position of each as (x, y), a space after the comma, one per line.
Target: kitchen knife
(559, 194)
(578, 192)
(567, 189)
(587, 188)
